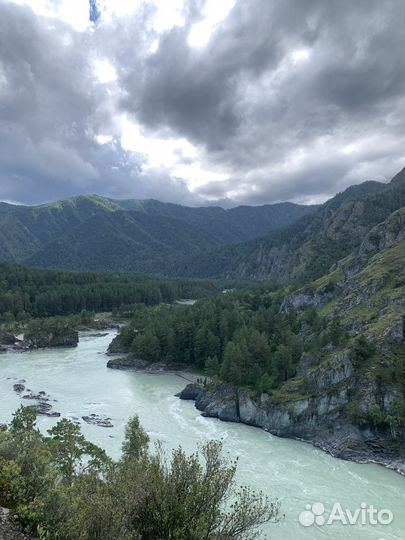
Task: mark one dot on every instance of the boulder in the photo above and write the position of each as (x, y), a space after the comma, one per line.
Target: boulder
(98, 420)
(44, 409)
(129, 363)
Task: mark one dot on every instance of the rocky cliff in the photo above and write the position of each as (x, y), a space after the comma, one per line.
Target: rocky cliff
(347, 399)
(320, 414)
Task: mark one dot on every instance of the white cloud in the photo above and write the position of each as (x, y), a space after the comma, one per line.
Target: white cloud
(103, 139)
(105, 71)
(73, 12)
(283, 92)
(214, 13)
(349, 149)
(298, 55)
(158, 151)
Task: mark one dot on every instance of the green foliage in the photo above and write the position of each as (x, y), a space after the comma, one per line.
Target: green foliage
(307, 248)
(211, 366)
(88, 233)
(71, 452)
(356, 414)
(335, 331)
(26, 292)
(146, 346)
(136, 440)
(64, 488)
(237, 337)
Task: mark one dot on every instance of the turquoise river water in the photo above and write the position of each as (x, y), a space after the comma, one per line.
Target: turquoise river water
(295, 472)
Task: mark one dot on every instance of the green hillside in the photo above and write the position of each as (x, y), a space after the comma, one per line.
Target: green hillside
(94, 233)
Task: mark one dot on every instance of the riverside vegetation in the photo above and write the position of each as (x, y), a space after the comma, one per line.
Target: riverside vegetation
(50, 306)
(63, 487)
(322, 361)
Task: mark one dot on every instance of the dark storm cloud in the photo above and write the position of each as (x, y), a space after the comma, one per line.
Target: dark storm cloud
(281, 126)
(255, 110)
(51, 109)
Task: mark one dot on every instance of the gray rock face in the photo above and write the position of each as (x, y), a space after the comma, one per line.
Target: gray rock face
(192, 392)
(19, 388)
(338, 369)
(384, 235)
(319, 418)
(117, 346)
(44, 409)
(126, 363)
(7, 339)
(302, 300)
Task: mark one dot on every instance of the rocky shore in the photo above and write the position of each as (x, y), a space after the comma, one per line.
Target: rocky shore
(130, 363)
(317, 420)
(40, 340)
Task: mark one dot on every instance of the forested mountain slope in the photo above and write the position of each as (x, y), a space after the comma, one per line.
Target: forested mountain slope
(307, 248)
(94, 233)
(226, 226)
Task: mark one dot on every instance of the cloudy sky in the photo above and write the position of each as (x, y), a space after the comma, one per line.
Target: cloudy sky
(189, 101)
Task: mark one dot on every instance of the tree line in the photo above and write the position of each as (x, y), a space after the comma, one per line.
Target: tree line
(27, 292)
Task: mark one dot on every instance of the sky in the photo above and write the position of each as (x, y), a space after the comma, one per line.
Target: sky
(199, 101)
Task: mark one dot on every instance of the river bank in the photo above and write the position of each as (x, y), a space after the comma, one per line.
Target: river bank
(296, 473)
(341, 440)
(129, 363)
(345, 442)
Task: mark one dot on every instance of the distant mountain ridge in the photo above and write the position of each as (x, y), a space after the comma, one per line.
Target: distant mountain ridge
(284, 242)
(305, 249)
(96, 233)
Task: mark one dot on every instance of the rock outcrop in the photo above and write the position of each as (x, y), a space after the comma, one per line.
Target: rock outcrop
(44, 409)
(127, 363)
(98, 420)
(317, 420)
(316, 407)
(118, 346)
(42, 405)
(39, 340)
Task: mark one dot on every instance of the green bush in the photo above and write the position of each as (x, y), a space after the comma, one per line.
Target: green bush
(63, 487)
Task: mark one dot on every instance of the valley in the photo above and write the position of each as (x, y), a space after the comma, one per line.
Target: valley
(299, 333)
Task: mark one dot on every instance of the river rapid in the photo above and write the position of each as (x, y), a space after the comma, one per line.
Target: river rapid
(295, 472)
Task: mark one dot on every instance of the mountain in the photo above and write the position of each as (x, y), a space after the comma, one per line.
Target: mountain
(95, 233)
(284, 242)
(305, 249)
(226, 226)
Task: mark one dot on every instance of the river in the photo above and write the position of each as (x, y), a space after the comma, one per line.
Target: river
(295, 472)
